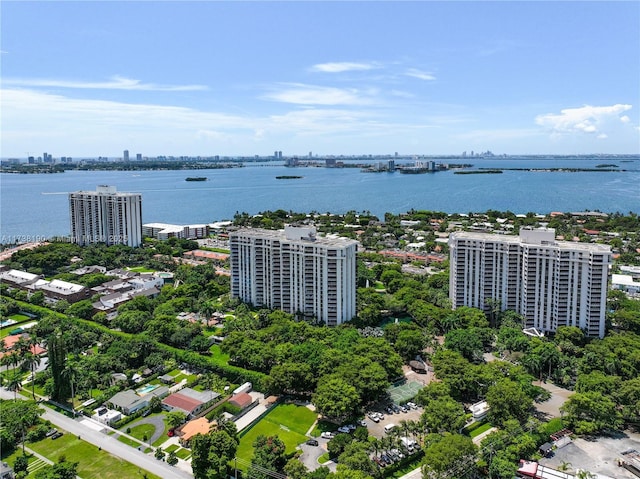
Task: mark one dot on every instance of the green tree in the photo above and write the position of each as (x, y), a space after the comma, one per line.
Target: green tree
(159, 454)
(294, 469)
(172, 459)
(268, 455)
(211, 454)
(507, 400)
(18, 416)
(338, 444)
(60, 470)
(21, 466)
(335, 398)
(450, 456)
(443, 415)
(591, 412)
(175, 419)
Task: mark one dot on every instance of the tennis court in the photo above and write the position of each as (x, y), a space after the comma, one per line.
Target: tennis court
(404, 392)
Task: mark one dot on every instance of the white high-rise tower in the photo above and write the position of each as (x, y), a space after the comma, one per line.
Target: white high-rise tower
(551, 283)
(296, 271)
(106, 216)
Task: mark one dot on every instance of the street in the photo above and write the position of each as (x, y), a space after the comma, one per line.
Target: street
(108, 443)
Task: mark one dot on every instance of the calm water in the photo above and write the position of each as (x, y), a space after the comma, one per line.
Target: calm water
(33, 206)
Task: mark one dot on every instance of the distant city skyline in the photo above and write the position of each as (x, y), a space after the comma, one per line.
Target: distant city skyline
(332, 78)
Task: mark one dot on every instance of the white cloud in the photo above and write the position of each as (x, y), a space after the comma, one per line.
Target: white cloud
(115, 83)
(415, 73)
(300, 94)
(586, 119)
(625, 119)
(339, 67)
(602, 136)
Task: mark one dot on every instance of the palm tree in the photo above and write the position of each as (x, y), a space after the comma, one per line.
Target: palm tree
(31, 361)
(70, 372)
(564, 466)
(14, 383)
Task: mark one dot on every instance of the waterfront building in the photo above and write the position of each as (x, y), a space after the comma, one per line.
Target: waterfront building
(163, 231)
(296, 271)
(106, 216)
(551, 283)
(125, 155)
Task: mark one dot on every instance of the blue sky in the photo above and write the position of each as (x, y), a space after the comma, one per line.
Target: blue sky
(328, 77)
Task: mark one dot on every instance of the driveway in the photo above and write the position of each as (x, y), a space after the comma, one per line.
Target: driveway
(559, 396)
(156, 421)
(311, 454)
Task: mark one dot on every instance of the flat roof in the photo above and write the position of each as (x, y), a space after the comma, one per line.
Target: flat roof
(512, 239)
(328, 240)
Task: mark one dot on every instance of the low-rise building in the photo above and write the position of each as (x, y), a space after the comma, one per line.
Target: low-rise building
(197, 426)
(190, 401)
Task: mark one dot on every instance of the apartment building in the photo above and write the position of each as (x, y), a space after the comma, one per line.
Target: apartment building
(551, 283)
(295, 270)
(106, 216)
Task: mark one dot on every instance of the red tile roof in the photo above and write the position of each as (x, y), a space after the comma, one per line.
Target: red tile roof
(10, 341)
(177, 400)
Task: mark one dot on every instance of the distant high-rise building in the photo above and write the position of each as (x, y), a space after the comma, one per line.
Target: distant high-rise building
(125, 155)
(106, 216)
(296, 271)
(551, 283)
(138, 156)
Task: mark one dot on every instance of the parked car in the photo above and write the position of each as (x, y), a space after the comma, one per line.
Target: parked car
(51, 432)
(344, 429)
(146, 413)
(362, 423)
(312, 442)
(352, 427)
(374, 417)
(171, 433)
(56, 435)
(327, 435)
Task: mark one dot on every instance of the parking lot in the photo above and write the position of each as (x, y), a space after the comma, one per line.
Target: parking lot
(377, 429)
(598, 455)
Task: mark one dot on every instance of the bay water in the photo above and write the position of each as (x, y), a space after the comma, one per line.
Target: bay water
(35, 206)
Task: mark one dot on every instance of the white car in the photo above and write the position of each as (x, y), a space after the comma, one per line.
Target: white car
(326, 435)
(344, 429)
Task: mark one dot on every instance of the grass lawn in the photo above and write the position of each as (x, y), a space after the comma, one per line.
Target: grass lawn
(479, 430)
(127, 441)
(172, 447)
(141, 269)
(183, 453)
(218, 356)
(19, 317)
(287, 421)
(142, 430)
(91, 461)
(324, 458)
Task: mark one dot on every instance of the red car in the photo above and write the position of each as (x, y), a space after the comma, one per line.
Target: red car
(171, 433)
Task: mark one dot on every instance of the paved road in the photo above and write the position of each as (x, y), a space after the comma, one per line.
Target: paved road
(109, 444)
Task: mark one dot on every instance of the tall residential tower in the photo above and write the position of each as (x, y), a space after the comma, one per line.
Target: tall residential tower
(296, 271)
(106, 216)
(551, 283)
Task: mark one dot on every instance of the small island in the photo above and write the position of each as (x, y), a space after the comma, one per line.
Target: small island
(196, 178)
(478, 172)
(288, 177)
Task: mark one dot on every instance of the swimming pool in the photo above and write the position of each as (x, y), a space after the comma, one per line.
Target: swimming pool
(146, 389)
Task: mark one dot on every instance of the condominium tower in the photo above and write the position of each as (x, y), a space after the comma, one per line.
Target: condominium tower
(296, 271)
(551, 283)
(106, 216)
